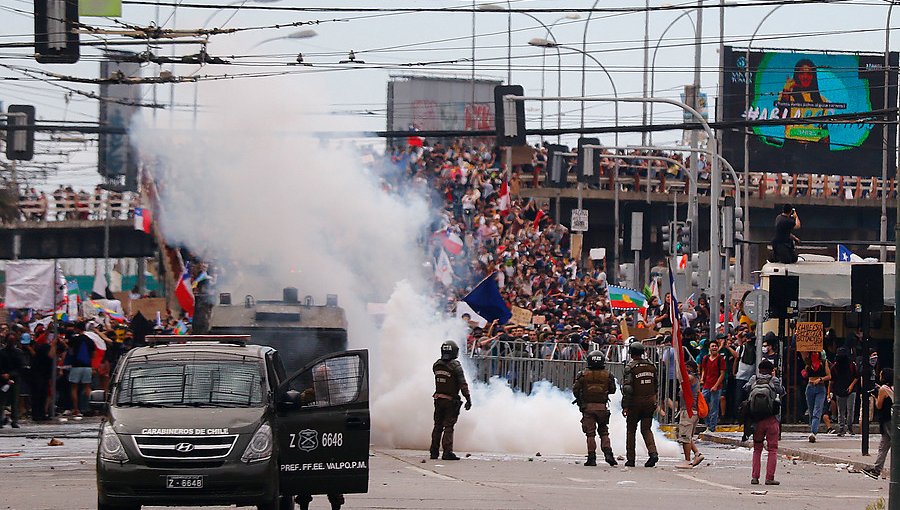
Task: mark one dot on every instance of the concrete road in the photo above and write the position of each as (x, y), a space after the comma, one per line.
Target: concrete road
(62, 477)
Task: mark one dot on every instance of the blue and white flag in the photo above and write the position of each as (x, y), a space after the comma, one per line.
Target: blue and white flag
(845, 255)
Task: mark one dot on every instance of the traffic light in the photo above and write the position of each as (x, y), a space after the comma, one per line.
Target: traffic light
(684, 239)
(56, 38)
(588, 160)
(738, 225)
(557, 167)
(20, 142)
(509, 115)
(667, 231)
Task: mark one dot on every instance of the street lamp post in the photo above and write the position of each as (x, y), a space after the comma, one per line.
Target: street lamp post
(745, 249)
(653, 62)
(584, 55)
(572, 16)
(508, 11)
(882, 254)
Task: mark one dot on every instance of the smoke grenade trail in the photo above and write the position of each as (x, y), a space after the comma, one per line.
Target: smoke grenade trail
(281, 208)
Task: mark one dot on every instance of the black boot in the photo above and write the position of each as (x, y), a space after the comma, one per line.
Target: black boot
(610, 459)
(654, 458)
(591, 459)
(449, 456)
(434, 454)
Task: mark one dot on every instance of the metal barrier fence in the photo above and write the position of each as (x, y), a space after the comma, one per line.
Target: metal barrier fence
(514, 362)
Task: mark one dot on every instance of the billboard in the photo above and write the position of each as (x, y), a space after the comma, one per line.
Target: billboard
(787, 87)
(117, 160)
(424, 103)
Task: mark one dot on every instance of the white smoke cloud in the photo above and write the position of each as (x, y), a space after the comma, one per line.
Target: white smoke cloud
(280, 208)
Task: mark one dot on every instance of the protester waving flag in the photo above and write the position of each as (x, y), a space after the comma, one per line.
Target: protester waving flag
(675, 317)
(487, 302)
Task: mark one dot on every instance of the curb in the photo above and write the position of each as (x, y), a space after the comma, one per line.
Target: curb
(793, 452)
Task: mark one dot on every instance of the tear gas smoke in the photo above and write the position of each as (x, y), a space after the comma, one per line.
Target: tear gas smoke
(276, 210)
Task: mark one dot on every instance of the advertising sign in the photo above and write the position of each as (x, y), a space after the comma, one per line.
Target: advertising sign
(787, 87)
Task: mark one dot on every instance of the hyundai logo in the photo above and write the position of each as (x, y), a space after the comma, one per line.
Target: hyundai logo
(184, 447)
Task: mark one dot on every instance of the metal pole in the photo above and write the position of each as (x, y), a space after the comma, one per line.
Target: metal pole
(885, 130)
(473, 53)
(508, 42)
(646, 75)
(584, 55)
(616, 226)
(894, 486)
(694, 214)
(653, 63)
(106, 220)
(747, 78)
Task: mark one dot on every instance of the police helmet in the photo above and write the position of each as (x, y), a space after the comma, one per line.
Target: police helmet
(636, 349)
(449, 350)
(596, 360)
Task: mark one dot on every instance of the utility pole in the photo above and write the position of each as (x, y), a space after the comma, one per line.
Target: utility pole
(693, 101)
(646, 77)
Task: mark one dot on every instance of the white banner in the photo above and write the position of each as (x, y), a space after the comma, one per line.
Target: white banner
(30, 284)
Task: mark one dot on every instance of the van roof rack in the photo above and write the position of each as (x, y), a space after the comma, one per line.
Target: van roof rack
(183, 339)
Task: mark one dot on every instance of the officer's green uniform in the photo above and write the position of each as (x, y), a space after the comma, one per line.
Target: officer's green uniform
(449, 382)
(592, 389)
(639, 393)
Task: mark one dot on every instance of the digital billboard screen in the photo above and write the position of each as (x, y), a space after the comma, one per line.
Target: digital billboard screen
(787, 87)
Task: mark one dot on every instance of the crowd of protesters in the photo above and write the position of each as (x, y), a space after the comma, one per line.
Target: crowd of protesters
(483, 233)
(49, 369)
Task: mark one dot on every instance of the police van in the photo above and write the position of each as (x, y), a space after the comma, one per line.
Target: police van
(214, 420)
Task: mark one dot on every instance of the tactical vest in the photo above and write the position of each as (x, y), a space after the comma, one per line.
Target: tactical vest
(596, 386)
(643, 375)
(445, 381)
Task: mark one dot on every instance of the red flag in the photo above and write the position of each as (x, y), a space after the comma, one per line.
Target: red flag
(537, 218)
(503, 202)
(415, 141)
(184, 293)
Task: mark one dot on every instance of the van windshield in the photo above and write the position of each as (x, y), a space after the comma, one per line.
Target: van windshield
(191, 383)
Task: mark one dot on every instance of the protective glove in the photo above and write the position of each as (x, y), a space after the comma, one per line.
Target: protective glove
(468, 405)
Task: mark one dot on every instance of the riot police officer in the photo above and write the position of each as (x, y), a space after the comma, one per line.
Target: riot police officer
(639, 389)
(592, 389)
(449, 381)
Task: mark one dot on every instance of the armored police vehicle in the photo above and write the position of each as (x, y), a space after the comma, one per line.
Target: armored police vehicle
(214, 420)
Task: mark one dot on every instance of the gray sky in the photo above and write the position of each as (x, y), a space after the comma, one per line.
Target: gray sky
(353, 97)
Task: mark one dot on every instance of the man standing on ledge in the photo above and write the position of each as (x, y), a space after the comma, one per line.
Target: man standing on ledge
(449, 381)
(784, 249)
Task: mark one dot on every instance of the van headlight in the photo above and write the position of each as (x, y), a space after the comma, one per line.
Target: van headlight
(111, 448)
(260, 447)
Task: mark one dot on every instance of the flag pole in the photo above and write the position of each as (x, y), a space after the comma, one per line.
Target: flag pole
(53, 343)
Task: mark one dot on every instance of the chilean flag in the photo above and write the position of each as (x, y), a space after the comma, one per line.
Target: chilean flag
(142, 219)
(503, 202)
(184, 293)
(681, 371)
(452, 243)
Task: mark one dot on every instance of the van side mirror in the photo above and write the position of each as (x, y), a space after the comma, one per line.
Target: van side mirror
(98, 400)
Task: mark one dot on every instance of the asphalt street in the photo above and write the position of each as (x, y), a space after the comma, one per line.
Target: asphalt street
(38, 476)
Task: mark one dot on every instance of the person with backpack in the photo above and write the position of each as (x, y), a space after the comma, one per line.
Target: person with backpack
(763, 408)
(81, 350)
